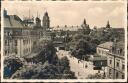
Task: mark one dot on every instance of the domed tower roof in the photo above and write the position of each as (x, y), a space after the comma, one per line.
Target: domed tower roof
(46, 17)
(46, 21)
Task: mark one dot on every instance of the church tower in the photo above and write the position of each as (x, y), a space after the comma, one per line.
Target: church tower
(46, 21)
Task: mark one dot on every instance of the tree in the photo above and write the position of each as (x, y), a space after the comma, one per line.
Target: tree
(82, 48)
(48, 53)
(11, 65)
(87, 30)
(45, 71)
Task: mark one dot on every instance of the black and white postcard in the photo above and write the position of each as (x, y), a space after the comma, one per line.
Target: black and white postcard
(64, 41)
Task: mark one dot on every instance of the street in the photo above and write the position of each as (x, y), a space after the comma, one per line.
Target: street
(81, 72)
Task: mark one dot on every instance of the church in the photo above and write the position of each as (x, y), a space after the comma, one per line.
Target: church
(45, 22)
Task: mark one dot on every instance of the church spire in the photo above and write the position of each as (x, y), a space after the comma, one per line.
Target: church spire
(108, 25)
(84, 21)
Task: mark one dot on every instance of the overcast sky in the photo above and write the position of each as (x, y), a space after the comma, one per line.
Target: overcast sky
(72, 13)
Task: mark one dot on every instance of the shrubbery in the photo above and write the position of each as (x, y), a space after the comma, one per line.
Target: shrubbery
(11, 65)
(60, 70)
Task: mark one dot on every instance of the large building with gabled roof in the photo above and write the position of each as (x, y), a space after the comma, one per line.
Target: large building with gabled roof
(22, 37)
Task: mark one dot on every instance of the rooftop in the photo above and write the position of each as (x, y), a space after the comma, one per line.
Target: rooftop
(12, 21)
(121, 44)
(65, 28)
(98, 58)
(106, 45)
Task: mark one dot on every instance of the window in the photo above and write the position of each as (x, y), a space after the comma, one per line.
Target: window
(29, 49)
(113, 49)
(6, 42)
(123, 67)
(120, 51)
(117, 74)
(15, 51)
(123, 76)
(15, 42)
(27, 41)
(99, 51)
(8, 34)
(5, 52)
(110, 61)
(110, 71)
(117, 64)
(24, 42)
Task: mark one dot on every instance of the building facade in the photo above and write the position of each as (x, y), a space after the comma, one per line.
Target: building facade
(19, 40)
(114, 51)
(116, 61)
(104, 48)
(23, 37)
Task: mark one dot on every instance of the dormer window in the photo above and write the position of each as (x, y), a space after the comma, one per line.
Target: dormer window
(120, 51)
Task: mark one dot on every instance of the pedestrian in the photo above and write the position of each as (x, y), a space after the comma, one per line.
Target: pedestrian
(86, 65)
(98, 71)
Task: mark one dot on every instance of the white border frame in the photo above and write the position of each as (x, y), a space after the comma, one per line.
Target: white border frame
(64, 80)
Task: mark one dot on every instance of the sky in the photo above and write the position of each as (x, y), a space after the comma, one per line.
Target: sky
(72, 13)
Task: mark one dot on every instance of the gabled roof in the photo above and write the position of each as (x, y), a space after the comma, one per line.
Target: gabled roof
(121, 45)
(13, 21)
(106, 45)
